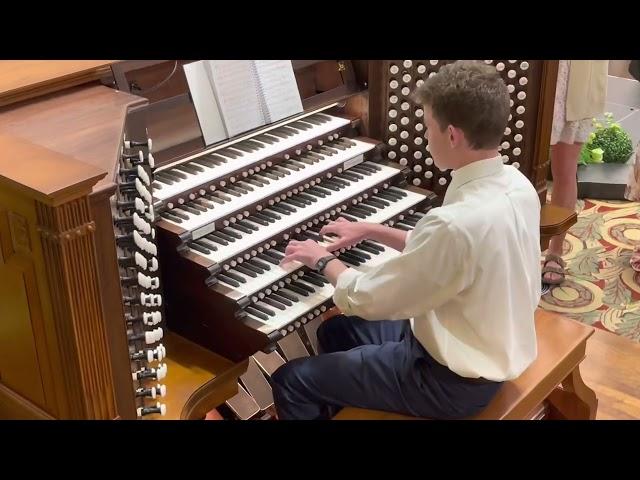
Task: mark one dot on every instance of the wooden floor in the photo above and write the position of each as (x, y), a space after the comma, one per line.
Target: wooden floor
(611, 369)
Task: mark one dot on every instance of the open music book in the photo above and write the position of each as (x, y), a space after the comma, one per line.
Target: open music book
(234, 96)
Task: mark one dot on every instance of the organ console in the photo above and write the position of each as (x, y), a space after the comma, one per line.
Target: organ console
(183, 240)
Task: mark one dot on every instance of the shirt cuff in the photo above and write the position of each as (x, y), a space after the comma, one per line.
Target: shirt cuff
(406, 239)
(344, 285)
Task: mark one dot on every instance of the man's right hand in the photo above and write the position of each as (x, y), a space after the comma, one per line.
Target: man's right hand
(349, 233)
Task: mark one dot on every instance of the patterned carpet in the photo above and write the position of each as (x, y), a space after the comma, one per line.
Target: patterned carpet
(601, 289)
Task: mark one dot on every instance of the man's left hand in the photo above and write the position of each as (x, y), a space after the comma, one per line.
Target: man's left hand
(307, 252)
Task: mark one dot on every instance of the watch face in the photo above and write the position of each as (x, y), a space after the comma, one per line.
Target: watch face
(323, 262)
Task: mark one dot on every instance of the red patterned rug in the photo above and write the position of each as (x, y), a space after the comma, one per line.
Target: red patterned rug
(601, 288)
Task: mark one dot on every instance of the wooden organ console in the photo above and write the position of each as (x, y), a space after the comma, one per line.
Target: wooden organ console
(80, 293)
(179, 243)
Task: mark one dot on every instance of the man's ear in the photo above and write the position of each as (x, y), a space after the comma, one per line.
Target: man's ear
(456, 137)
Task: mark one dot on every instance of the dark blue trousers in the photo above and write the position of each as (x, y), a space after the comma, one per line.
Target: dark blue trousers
(378, 365)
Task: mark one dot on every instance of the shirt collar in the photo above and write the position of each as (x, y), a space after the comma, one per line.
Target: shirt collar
(474, 171)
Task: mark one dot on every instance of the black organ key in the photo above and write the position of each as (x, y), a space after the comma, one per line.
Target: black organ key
(235, 276)
(235, 226)
(281, 299)
(259, 264)
(274, 303)
(264, 309)
(246, 271)
(302, 286)
(256, 313)
(287, 296)
(267, 258)
(258, 220)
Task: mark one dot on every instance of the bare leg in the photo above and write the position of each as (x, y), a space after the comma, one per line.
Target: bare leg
(564, 167)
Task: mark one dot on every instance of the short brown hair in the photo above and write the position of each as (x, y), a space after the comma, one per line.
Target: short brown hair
(471, 96)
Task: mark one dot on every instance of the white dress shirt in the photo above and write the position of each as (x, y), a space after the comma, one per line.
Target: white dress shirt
(468, 278)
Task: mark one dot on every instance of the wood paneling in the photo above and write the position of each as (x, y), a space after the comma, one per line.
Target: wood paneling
(23, 79)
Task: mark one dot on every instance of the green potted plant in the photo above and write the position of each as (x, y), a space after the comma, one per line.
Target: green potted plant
(603, 164)
(608, 143)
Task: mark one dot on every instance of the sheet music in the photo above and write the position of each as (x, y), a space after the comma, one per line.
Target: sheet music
(237, 95)
(277, 83)
(204, 101)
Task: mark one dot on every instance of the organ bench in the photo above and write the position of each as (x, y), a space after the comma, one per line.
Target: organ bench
(551, 388)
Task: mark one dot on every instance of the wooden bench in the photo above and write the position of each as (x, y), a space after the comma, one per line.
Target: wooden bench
(551, 387)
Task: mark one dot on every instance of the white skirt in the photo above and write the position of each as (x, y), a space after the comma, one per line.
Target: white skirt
(561, 130)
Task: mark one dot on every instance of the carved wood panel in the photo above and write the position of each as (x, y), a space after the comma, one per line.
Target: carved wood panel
(67, 237)
(19, 366)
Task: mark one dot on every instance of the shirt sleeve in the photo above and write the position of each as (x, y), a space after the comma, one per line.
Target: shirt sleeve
(406, 239)
(429, 272)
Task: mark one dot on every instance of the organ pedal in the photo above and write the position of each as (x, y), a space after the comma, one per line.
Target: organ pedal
(254, 400)
(258, 387)
(310, 330)
(293, 347)
(268, 362)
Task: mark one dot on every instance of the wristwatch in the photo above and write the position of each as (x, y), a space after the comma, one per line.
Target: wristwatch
(322, 263)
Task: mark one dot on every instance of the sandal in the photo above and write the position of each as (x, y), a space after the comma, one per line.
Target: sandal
(551, 257)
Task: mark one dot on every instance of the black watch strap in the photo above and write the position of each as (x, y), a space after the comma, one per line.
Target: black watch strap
(323, 262)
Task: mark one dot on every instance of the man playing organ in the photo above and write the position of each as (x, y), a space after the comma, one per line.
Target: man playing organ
(434, 331)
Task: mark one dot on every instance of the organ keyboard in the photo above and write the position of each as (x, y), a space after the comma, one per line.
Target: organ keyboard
(227, 214)
(236, 157)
